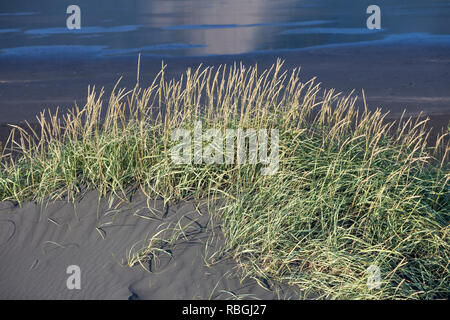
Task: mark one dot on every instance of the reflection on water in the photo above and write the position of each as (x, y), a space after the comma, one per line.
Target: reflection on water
(204, 27)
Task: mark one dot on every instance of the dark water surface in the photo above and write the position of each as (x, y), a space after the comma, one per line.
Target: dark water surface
(209, 27)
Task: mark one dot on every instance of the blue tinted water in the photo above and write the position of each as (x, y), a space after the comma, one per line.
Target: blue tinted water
(209, 27)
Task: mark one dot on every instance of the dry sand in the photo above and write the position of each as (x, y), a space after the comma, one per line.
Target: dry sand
(38, 243)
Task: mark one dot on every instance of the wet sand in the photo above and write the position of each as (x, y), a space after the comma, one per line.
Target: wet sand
(396, 78)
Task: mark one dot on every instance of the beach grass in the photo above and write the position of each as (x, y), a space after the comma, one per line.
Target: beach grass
(352, 190)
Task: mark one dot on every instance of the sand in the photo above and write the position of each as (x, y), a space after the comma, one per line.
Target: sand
(38, 243)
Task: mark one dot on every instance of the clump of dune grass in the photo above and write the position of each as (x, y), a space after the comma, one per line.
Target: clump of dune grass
(352, 190)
